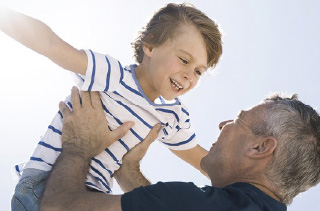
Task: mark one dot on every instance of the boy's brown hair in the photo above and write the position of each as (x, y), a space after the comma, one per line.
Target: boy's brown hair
(165, 22)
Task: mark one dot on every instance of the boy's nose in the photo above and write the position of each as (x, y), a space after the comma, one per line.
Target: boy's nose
(189, 75)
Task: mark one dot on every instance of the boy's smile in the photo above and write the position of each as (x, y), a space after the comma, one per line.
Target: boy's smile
(175, 85)
(175, 67)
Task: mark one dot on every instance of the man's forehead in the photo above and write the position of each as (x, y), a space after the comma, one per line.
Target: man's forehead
(253, 112)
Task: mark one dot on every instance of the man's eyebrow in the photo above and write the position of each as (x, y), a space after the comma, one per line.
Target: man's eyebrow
(240, 114)
(185, 52)
(240, 118)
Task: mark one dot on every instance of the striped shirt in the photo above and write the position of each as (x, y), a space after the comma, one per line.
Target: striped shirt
(122, 100)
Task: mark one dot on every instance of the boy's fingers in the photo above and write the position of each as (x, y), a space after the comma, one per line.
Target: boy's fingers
(75, 99)
(64, 109)
(95, 100)
(86, 99)
(122, 130)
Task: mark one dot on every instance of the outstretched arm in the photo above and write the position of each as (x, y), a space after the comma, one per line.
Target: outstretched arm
(192, 156)
(37, 36)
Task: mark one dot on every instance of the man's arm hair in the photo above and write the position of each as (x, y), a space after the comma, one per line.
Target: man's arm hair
(85, 134)
(131, 179)
(65, 188)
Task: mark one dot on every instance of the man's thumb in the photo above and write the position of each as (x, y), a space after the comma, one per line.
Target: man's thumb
(122, 130)
(152, 135)
(145, 144)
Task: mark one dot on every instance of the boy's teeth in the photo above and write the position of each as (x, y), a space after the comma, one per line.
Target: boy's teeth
(177, 86)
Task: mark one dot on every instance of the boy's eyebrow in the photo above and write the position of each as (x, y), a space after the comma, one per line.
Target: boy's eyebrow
(201, 66)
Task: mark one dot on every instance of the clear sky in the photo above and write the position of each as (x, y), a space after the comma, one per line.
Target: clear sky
(269, 46)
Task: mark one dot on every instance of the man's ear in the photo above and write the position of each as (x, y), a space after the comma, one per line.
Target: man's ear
(264, 146)
(147, 49)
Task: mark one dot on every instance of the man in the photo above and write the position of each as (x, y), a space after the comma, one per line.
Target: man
(261, 161)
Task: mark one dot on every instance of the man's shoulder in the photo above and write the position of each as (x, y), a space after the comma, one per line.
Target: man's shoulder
(188, 196)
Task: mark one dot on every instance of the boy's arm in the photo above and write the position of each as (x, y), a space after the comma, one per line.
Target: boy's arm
(37, 36)
(192, 156)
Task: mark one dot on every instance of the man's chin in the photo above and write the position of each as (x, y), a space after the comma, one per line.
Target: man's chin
(203, 164)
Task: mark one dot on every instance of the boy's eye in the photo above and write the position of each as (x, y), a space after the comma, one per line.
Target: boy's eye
(198, 72)
(184, 61)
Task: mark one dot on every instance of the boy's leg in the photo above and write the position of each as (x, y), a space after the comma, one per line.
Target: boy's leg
(29, 190)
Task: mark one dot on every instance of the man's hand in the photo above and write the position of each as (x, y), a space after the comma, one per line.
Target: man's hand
(129, 175)
(134, 156)
(85, 133)
(85, 128)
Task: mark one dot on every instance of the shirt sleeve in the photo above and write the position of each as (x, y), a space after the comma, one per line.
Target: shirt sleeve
(162, 196)
(104, 73)
(184, 136)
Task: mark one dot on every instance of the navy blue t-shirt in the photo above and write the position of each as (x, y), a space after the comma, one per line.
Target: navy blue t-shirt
(187, 196)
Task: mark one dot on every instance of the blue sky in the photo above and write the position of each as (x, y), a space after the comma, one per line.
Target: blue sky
(269, 46)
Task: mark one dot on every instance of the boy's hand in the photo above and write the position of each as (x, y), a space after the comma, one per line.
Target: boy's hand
(85, 129)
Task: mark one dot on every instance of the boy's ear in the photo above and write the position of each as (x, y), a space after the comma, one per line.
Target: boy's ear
(147, 50)
(264, 146)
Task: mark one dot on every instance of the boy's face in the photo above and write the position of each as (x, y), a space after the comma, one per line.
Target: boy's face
(175, 67)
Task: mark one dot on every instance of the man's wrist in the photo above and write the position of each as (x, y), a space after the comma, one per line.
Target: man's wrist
(127, 171)
(73, 149)
(130, 177)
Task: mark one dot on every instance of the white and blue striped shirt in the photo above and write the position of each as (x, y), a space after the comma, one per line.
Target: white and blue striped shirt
(123, 100)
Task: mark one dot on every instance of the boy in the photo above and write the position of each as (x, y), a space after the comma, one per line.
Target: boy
(175, 48)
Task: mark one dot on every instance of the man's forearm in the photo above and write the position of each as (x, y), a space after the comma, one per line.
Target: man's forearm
(65, 188)
(66, 179)
(85, 134)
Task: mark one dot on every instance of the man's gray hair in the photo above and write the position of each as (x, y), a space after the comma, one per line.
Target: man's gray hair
(296, 163)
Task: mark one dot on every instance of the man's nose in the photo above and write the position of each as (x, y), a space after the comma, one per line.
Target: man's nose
(223, 124)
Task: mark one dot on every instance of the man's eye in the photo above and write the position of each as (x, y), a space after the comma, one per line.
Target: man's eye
(183, 60)
(198, 72)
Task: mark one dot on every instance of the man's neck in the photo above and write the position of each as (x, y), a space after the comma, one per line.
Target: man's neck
(267, 190)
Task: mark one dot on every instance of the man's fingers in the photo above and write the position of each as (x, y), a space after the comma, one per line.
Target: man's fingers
(86, 99)
(75, 99)
(137, 152)
(122, 130)
(64, 109)
(152, 135)
(95, 100)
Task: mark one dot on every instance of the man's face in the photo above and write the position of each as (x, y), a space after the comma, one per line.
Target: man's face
(226, 160)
